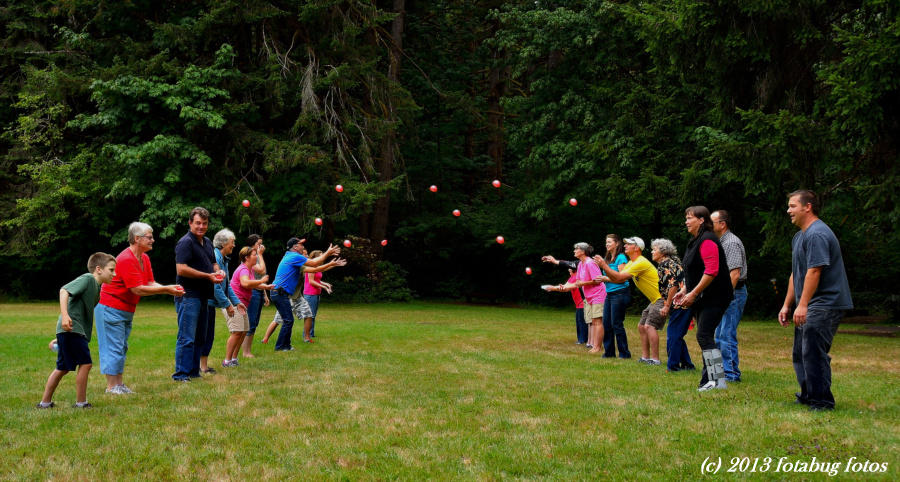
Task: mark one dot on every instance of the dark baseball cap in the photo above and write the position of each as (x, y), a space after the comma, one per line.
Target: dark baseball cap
(291, 242)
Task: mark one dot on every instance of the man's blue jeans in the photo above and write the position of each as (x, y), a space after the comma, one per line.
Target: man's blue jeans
(282, 302)
(679, 357)
(192, 316)
(812, 364)
(726, 334)
(614, 323)
(207, 342)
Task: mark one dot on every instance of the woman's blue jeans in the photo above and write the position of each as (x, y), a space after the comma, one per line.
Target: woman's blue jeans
(614, 323)
(679, 357)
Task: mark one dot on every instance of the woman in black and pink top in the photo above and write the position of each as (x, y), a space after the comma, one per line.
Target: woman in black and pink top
(707, 291)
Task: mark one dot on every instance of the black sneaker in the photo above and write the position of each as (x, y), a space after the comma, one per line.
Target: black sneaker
(820, 408)
(52, 404)
(84, 405)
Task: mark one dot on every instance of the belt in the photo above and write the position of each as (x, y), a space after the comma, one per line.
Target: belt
(740, 284)
(280, 291)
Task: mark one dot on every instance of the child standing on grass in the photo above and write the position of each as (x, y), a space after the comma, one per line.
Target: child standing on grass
(74, 326)
(312, 289)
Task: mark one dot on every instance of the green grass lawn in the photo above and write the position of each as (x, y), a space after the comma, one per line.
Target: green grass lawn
(436, 391)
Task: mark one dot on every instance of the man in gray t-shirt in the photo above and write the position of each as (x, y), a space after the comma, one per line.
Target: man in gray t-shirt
(821, 292)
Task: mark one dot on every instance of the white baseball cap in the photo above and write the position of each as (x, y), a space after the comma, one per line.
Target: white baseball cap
(635, 241)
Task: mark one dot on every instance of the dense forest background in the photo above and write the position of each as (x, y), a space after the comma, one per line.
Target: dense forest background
(116, 111)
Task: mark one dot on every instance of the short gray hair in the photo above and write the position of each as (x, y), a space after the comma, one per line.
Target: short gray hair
(664, 246)
(137, 229)
(587, 248)
(222, 238)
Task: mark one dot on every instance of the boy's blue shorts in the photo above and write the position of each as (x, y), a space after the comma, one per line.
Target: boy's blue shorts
(73, 351)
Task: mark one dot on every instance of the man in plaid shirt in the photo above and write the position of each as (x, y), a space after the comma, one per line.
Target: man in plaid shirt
(736, 257)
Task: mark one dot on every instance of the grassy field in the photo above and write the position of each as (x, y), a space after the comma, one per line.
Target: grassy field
(437, 391)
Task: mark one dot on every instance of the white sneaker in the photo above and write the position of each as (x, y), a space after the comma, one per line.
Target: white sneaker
(712, 385)
(122, 388)
(651, 361)
(708, 386)
(116, 390)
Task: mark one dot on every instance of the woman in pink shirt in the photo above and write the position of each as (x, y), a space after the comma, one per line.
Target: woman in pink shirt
(594, 293)
(312, 289)
(243, 283)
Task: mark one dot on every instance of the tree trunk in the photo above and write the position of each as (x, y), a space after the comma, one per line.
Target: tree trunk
(388, 144)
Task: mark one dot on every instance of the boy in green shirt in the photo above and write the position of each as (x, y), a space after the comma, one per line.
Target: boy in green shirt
(74, 326)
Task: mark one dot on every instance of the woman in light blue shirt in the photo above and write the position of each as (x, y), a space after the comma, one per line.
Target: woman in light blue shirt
(618, 295)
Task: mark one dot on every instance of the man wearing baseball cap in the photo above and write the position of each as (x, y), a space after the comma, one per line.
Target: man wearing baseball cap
(646, 278)
(287, 276)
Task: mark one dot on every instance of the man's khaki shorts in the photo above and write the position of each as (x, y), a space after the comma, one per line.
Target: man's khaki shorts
(651, 317)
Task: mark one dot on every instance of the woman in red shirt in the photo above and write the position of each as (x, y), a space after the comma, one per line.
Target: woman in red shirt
(118, 300)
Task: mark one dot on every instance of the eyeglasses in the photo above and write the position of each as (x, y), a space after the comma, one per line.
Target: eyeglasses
(148, 236)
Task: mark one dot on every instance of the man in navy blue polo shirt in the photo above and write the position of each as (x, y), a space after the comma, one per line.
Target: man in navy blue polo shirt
(287, 277)
(197, 271)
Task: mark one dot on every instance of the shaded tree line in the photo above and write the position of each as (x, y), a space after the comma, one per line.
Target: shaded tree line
(118, 111)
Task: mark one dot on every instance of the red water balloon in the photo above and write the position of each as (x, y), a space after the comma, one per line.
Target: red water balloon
(500, 240)
(496, 183)
(456, 212)
(318, 221)
(347, 243)
(339, 188)
(384, 242)
(433, 188)
(573, 202)
(246, 203)
(527, 270)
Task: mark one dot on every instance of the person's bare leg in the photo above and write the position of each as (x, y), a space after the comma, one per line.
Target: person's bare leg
(52, 383)
(645, 343)
(247, 345)
(269, 331)
(204, 363)
(653, 341)
(112, 381)
(307, 325)
(229, 347)
(81, 379)
(237, 348)
(597, 330)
